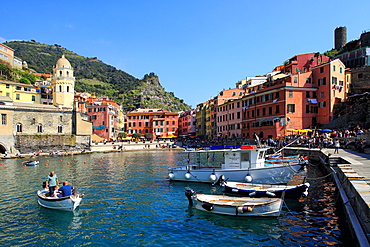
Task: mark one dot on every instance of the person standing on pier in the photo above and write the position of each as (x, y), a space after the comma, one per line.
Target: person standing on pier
(336, 146)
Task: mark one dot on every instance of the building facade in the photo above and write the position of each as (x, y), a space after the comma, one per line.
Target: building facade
(157, 122)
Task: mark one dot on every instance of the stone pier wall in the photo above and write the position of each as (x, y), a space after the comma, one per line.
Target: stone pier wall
(51, 143)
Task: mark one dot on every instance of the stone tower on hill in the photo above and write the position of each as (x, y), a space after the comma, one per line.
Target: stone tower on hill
(63, 84)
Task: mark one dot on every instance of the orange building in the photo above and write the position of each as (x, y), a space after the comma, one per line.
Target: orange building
(158, 122)
(298, 100)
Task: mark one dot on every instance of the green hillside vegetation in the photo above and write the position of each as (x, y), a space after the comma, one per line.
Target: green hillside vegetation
(96, 77)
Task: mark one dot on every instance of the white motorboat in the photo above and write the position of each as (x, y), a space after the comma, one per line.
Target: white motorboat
(244, 164)
(68, 203)
(236, 206)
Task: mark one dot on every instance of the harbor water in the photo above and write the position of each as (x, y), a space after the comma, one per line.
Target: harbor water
(130, 202)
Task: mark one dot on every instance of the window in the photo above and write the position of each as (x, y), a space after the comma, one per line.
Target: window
(307, 94)
(359, 75)
(61, 118)
(67, 89)
(17, 96)
(308, 80)
(277, 109)
(333, 80)
(333, 67)
(291, 94)
(322, 94)
(33, 98)
(7, 94)
(60, 129)
(39, 128)
(322, 70)
(295, 79)
(60, 73)
(3, 119)
(340, 70)
(60, 88)
(7, 86)
(291, 108)
(307, 109)
(270, 110)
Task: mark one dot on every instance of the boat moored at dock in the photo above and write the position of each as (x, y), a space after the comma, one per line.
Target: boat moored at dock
(244, 164)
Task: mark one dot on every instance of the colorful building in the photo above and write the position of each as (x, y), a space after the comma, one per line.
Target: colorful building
(187, 122)
(286, 101)
(157, 122)
(20, 92)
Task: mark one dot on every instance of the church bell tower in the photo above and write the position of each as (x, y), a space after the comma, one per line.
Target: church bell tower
(63, 84)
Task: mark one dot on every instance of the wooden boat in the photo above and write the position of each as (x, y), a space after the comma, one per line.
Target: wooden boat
(236, 206)
(266, 190)
(68, 203)
(30, 162)
(244, 164)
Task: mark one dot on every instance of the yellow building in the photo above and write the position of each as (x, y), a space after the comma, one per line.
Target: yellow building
(20, 92)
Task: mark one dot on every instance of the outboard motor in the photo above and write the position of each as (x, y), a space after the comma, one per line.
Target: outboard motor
(221, 181)
(189, 193)
(44, 184)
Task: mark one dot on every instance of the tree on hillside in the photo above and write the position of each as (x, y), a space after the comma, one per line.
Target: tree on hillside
(5, 72)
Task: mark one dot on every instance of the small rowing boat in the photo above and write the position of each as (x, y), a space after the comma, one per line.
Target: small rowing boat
(266, 190)
(236, 206)
(67, 203)
(30, 162)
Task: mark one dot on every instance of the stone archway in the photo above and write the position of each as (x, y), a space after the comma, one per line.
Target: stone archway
(2, 149)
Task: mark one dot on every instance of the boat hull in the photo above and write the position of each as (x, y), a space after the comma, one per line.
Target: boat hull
(266, 190)
(32, 163)
(239, 206)
(68, 203)
(268, 175)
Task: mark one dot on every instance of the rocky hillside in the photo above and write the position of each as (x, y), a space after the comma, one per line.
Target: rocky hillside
(94, 76)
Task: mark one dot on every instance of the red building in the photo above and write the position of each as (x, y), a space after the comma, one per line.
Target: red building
(292, 100)
(187, 122)
(158, 122)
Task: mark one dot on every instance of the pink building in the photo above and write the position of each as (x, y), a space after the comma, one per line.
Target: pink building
(187, 123)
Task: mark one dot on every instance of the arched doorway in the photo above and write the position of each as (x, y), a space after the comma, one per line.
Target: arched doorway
(2, 149)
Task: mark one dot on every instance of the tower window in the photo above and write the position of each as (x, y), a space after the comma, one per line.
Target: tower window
(60, 73)
(19, 127)
(60, 88)
(39, 128)
(67, 89)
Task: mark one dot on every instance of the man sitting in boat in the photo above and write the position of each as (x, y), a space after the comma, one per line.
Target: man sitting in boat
(65, 190)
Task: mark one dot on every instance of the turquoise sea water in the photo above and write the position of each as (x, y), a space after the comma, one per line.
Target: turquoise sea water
(129, 202)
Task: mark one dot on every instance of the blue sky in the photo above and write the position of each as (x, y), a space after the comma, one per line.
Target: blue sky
(197, 48)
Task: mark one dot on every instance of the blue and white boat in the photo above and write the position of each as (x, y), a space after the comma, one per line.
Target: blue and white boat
(244, 164)
(31, 163)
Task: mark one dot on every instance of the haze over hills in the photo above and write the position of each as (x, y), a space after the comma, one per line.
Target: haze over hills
(96, 77)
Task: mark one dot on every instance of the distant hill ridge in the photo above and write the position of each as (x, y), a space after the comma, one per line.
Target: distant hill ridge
(94, 76)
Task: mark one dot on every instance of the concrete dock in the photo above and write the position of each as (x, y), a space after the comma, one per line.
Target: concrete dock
(351, 172)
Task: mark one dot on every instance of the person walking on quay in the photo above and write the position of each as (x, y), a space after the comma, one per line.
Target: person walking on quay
(336, 146)
(52, 182)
